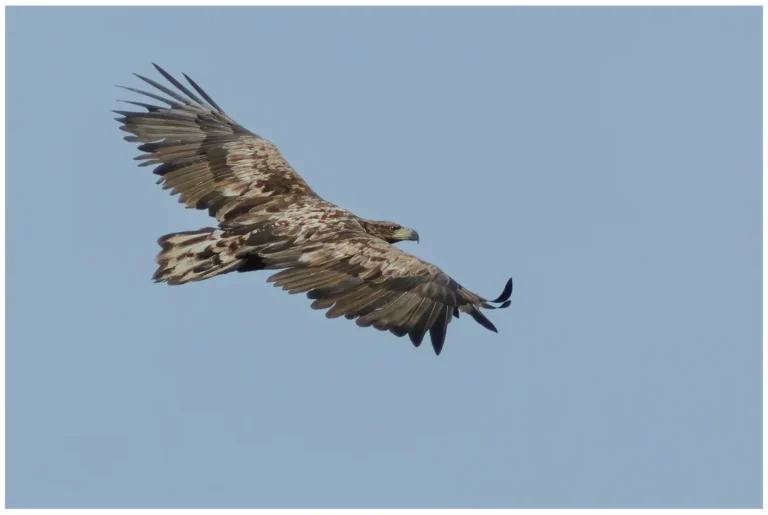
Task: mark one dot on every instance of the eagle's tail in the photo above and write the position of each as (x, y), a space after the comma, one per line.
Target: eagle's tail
(197, 255)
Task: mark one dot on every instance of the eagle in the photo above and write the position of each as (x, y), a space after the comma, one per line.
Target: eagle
(268, 218)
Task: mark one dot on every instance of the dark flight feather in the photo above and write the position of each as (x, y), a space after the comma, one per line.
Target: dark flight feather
(208, 99)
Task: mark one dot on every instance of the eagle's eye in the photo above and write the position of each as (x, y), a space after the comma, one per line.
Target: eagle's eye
(393, 227)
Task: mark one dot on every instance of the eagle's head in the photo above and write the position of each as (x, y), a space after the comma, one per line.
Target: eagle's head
(389, 231)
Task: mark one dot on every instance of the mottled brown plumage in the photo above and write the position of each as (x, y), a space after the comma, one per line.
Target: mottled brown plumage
(269, 218)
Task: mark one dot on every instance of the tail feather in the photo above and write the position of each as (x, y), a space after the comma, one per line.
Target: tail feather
(197, 255)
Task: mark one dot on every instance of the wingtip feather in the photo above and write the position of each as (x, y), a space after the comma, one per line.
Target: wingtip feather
(505, 294)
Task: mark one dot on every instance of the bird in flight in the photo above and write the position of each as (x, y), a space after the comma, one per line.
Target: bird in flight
(270, 219)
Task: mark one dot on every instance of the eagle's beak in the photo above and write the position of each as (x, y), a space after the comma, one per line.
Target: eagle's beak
(406, 234)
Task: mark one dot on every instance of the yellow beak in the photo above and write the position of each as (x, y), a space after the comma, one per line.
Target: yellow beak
(406, 234)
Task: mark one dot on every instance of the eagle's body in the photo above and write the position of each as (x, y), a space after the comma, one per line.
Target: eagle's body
(269, 218)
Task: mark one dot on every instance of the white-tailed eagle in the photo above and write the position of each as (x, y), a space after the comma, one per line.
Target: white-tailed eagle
(269, 218)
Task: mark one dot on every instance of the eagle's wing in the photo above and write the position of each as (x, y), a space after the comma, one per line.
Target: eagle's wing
(365, 278)
(205, 156)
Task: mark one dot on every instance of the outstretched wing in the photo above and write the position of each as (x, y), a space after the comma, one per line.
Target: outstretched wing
(364, 278)
(206, 157)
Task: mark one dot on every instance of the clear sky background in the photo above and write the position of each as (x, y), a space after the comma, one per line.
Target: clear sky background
(608, 159)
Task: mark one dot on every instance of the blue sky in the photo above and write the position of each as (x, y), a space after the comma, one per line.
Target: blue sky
(609, 159)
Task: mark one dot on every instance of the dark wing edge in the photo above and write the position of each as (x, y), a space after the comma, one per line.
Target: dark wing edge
(356, 288)
(184, 106)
